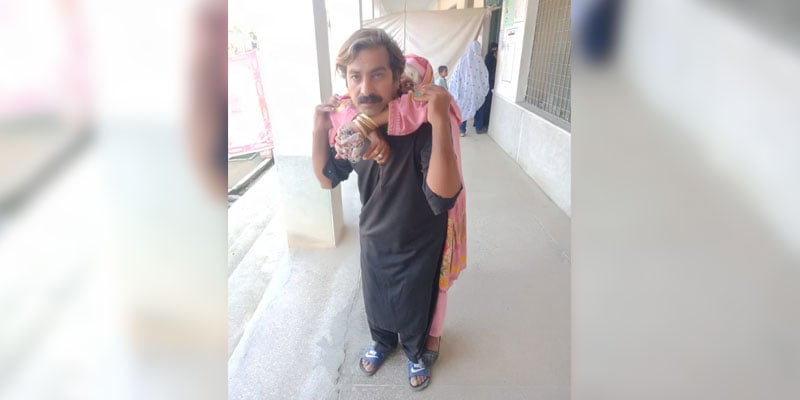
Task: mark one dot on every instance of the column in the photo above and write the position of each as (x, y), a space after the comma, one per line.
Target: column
(296, 73)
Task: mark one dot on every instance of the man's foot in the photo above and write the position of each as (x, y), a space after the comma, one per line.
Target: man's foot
(463, 134)
(419, 376)
(371, 360)
(367, 367)
(484, 130)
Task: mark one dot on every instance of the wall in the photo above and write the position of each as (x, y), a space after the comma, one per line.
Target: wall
(447, 4)
(293, 86)
(459, 4)
(733, 101)
(541, 148)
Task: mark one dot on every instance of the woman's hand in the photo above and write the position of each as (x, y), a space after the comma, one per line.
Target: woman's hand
(378, 149)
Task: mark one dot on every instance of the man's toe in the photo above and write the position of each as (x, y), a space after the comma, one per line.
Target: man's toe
(368, 365)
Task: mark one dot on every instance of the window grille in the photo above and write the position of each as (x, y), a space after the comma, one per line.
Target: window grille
(549, 78)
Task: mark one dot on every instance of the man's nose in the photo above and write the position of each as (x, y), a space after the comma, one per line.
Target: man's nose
(366, 86)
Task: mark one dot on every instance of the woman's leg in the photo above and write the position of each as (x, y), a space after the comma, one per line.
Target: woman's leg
(437, 326)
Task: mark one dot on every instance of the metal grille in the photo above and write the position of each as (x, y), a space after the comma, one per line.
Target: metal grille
(549, 79)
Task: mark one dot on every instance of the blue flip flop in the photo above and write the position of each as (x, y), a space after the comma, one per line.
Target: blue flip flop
(373, 357)
(418, 369)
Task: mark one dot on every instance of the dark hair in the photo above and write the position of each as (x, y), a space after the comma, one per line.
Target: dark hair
(442, 68)
(492, 46)
(368, 38)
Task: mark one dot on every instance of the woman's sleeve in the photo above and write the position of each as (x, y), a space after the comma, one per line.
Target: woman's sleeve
(344, 114)
(406, 115)
(336, 170)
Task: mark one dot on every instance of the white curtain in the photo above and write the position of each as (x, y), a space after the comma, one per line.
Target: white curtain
(440, 36)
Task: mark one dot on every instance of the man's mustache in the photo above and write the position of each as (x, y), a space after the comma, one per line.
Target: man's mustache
(371, 99)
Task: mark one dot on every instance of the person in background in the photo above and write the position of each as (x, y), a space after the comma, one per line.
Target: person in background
(469, 84)
(482, 116)
(442, 79)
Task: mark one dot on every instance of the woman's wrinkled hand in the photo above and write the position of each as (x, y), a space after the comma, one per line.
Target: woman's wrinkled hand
(378, 149)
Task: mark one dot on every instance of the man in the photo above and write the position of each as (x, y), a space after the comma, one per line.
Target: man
(442, 79)
(404, 198)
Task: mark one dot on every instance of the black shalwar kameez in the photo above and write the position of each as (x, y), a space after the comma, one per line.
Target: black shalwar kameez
(402, 227)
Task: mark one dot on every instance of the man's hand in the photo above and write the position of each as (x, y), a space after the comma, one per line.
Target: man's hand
(443, 176)
(322, 115)
(438, 99)
(321, 144)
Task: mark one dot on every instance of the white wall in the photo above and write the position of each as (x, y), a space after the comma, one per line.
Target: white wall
(514, 47)
(343, 21)
(447, 4)
(751, 80)
(459, 4)
(296, 77)
(541, 148)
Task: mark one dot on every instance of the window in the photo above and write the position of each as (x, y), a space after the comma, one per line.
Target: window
(549, 79)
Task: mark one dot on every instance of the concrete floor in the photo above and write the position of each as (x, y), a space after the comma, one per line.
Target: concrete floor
(238, 168)
(296, 316)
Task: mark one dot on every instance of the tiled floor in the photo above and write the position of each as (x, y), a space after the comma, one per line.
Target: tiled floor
(507, 333)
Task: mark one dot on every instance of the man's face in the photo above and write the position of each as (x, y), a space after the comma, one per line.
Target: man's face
(370, 83)
(443, 74)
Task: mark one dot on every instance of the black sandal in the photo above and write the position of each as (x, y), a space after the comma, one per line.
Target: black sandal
(429, 357)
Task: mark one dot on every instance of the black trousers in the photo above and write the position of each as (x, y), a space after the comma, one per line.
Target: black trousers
(413, 345)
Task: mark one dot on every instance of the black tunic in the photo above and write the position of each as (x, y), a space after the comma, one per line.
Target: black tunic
(402, 227)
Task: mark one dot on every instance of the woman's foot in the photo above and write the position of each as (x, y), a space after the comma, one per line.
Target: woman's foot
(431, 352)
(432, 343)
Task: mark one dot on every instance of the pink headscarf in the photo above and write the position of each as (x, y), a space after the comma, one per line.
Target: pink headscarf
(418, 69)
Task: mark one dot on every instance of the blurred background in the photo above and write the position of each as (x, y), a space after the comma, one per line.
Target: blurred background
(112, 199)
(114, 175)
(685, 225)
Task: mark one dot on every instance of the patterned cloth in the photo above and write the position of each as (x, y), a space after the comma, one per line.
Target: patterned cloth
(469, 82)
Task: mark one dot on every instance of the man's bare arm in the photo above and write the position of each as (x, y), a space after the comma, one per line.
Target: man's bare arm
(443, 177)
(320, 150)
